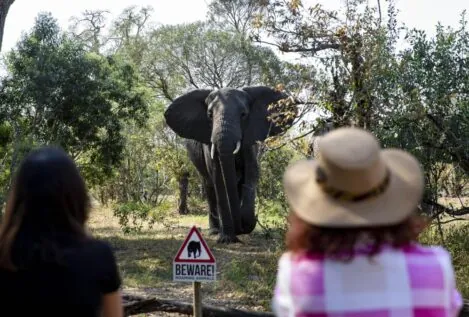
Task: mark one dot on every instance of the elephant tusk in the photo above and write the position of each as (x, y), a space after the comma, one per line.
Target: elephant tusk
(238, 146)
(212, 151)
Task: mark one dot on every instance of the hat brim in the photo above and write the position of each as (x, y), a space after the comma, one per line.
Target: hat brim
(397, 202)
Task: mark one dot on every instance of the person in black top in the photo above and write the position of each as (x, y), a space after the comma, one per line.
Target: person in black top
(49, 264)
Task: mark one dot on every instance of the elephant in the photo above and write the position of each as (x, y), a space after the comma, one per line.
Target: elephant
(222, 128)
(192, 248)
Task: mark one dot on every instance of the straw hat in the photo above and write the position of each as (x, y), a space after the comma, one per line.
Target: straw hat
(354, 183)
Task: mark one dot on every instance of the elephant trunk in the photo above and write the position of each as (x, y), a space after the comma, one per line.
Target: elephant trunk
(227, 164)
(226, 137)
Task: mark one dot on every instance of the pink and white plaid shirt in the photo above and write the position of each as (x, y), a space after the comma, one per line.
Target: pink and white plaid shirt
(414, 281)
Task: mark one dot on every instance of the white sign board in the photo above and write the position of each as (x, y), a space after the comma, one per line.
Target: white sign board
(194, 261)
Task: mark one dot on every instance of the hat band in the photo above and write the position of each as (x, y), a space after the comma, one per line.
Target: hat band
(347, 196)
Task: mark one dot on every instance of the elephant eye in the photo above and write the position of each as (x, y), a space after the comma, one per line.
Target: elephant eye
(210, 114)
(243, 114)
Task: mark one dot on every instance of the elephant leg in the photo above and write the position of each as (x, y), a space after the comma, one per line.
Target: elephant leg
(199, 154)
(248, 215)
(248, 190)
(240, 191)
(213, 218)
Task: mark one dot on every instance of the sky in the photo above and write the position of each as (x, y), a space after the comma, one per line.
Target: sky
(414, 13)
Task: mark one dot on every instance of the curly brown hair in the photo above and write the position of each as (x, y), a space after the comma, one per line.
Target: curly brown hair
(340, 243)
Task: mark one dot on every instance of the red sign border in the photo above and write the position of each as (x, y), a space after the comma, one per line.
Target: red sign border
(204, 244)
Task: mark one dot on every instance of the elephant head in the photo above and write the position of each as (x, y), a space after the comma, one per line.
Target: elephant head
(225, 116)
(228, 121)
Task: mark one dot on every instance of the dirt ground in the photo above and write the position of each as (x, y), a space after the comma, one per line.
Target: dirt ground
(245, 272)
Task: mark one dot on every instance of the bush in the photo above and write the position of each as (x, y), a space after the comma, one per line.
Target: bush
(135, 216)
(456, 240)
(272, 166)
(271, 202)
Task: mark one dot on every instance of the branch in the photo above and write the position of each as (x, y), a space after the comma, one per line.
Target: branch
(443, 209)
(135, 305)
(291, 140)
(452, 220)
(314, 50)
(379, 11)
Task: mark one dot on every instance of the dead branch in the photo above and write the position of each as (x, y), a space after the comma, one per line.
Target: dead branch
(134, 305)
(440, 209)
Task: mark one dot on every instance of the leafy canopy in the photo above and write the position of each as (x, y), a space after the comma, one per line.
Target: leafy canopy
(61, 94)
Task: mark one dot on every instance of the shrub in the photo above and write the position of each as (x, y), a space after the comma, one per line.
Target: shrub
(456, 240)
(135, 216)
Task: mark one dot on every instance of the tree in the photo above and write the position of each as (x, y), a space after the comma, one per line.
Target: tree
(129, 32)
(143, 176)
(415, 99)
(429, 114)
(237, 15)
(195, 55)
(352, 49)
(4, 8)
(88, 28)
(58, 93)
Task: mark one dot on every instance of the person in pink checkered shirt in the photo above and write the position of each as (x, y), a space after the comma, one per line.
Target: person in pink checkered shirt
(352, 248)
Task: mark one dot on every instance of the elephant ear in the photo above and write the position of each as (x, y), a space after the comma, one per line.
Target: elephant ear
(187, 116)
(259, 125)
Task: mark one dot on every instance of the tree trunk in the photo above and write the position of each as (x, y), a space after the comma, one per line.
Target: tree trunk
(183, 189)
(4, 7)
(202, 192)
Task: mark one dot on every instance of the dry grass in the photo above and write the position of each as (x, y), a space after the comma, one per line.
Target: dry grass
(245, 272)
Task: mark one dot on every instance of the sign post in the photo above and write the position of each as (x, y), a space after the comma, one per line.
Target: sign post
(194, 263)
(197, 302)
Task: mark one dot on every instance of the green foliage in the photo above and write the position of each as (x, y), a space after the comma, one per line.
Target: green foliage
(57, 93)
(134, 217)
(429, 116)
(414, 99)
(233, 15)
(196, 55)
(272, 165)
(272, 206)
(129, 33)
(456, 241)
(141, 176)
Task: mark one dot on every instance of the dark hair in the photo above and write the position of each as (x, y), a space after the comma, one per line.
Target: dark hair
(48, 202)
(341, 243)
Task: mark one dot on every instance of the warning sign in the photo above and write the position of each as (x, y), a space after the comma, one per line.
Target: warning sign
(194, 261)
